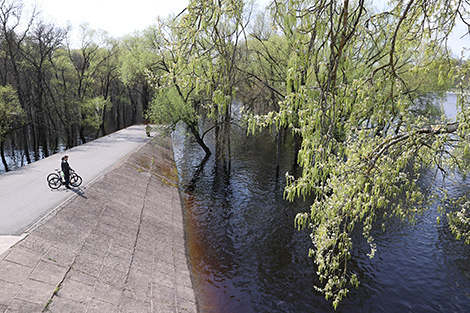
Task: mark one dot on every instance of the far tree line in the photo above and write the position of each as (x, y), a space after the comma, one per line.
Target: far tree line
(57, 93)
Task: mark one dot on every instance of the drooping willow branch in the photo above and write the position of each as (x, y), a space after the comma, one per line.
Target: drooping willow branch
(384, 146)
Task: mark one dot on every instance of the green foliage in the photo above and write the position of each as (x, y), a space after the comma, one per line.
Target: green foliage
(90, 109)
(11, 113)
(176, 96)
(459, 222)
(358, 91)
(168, 108)
(458, 216)
(264, 65)
(205, 52)
(139, 53)
(199, 53)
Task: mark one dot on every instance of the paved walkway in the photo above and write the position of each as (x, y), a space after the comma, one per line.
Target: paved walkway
(25, 195)
(118, 246)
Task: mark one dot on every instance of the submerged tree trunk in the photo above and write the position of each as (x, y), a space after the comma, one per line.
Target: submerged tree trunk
(199, 140)
(82, 135)
(145, 96)
(69, 143)
(25, 144)
(134, 104)
(2, 152)
(297, 144)
(278, 151)
(44, 143)
(102, 129)
(227, 134)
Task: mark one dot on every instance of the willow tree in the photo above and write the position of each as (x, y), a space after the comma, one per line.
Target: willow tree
(355, 79)
(199, 58)
(176, 97)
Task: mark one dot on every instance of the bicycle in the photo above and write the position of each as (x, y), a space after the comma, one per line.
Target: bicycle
(56, 179)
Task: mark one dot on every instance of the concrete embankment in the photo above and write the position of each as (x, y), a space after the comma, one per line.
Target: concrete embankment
(119, 246)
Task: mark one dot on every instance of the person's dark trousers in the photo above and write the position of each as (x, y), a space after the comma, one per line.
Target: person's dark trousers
(67, 179)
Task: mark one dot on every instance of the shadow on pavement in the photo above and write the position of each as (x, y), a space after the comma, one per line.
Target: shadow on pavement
(79, 191)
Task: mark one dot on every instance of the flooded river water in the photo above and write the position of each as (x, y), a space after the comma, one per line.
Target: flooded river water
(247, 256)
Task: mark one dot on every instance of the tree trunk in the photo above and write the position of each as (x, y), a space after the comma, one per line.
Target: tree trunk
(278, 151)
(26, 144)
(133, 106)
(82, 135)
(120, 108)
(199, 140)
(2, 152)
(145, 97)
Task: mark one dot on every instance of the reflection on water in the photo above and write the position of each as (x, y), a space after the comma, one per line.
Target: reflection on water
(449, 107)
(248, 257)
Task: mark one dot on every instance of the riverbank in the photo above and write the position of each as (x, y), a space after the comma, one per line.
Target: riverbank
(117, 246)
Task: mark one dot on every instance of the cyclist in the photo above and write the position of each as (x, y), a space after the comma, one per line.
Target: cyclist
(66, 170)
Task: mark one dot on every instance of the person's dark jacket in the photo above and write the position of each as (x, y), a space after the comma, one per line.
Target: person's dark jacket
(65, 167)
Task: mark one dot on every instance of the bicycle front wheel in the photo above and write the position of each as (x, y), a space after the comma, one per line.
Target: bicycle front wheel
(75, 180)
(54, 182)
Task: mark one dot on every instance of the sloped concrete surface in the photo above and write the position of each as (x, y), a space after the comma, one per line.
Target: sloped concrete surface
(119, 246)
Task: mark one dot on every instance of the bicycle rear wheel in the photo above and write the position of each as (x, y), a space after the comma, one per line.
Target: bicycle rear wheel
(75, 180)
(49, 177)
(54, 182)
